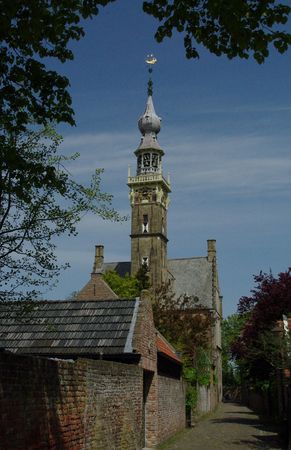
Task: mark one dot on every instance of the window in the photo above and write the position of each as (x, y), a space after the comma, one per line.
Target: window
(145, 224)
(147, 160)
(145, 261)
(155, 160)
(139, 162)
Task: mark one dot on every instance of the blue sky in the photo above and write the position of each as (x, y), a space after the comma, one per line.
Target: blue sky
(226, 135)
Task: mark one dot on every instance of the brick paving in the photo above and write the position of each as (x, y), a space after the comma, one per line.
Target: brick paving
(231, 427)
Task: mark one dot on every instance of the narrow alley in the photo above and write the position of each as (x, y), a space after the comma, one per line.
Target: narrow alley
(231, 427)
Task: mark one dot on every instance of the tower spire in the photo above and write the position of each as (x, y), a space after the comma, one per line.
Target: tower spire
(151, 61)
(149, 196)
(149, 153)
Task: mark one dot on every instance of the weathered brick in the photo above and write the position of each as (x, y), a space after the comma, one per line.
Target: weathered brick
(82, 406)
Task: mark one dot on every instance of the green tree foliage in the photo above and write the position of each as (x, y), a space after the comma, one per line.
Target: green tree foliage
(128, 286)
(230, 329)
(37, 205)
(261, 347)
(142, 277)
(235, 28)
(190, 376)
(38, 197)
(32, 33)
(124, 287)
(199, 370)
(182, 321)
(187, 327)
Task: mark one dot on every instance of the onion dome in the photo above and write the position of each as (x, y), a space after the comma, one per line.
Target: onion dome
(149, 125)
(149, 121)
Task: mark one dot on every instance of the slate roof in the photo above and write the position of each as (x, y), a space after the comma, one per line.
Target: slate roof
(191, 276)
(121, 267)
(69, 328)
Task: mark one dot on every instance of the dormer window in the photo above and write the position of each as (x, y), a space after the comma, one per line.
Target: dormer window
(145, 224)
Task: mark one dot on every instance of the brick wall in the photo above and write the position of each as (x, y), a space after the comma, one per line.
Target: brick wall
(171, 406)
(144, 339)
(144, 342)
(61, 405)
(96, 289)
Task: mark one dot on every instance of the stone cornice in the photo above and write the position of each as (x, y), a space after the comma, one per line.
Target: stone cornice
(151, 178)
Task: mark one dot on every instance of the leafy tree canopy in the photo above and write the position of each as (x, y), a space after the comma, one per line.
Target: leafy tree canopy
(31, 32)
(259, 347)
(230, 330)
(39, 200)
(235, 28)
(142, 277)
(124, 287)
(187, 327)
(270, 299)
(182, 321)
(128, 286)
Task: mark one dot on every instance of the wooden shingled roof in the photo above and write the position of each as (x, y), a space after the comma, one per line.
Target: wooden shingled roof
(68, 328)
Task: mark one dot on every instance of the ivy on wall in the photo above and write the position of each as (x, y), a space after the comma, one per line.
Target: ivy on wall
(197, 375)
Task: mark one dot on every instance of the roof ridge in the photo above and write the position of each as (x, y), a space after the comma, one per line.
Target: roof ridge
(191, 257)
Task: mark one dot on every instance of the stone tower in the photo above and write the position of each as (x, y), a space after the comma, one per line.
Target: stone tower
(149, 200)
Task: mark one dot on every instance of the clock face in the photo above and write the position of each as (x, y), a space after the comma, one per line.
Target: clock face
(155, 160)
(146, 160)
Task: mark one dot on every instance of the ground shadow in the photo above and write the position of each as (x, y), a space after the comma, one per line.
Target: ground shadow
(255, 422)
(273, 436)
(263, 442)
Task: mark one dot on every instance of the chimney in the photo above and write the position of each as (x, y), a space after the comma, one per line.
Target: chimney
(99, 258)
(211, 250)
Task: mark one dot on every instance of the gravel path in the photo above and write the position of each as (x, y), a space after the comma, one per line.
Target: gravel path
(231, 427)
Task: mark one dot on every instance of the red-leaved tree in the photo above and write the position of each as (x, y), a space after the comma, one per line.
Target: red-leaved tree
(259, 347)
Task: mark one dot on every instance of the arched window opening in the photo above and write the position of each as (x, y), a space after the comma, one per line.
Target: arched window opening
(145, 223)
